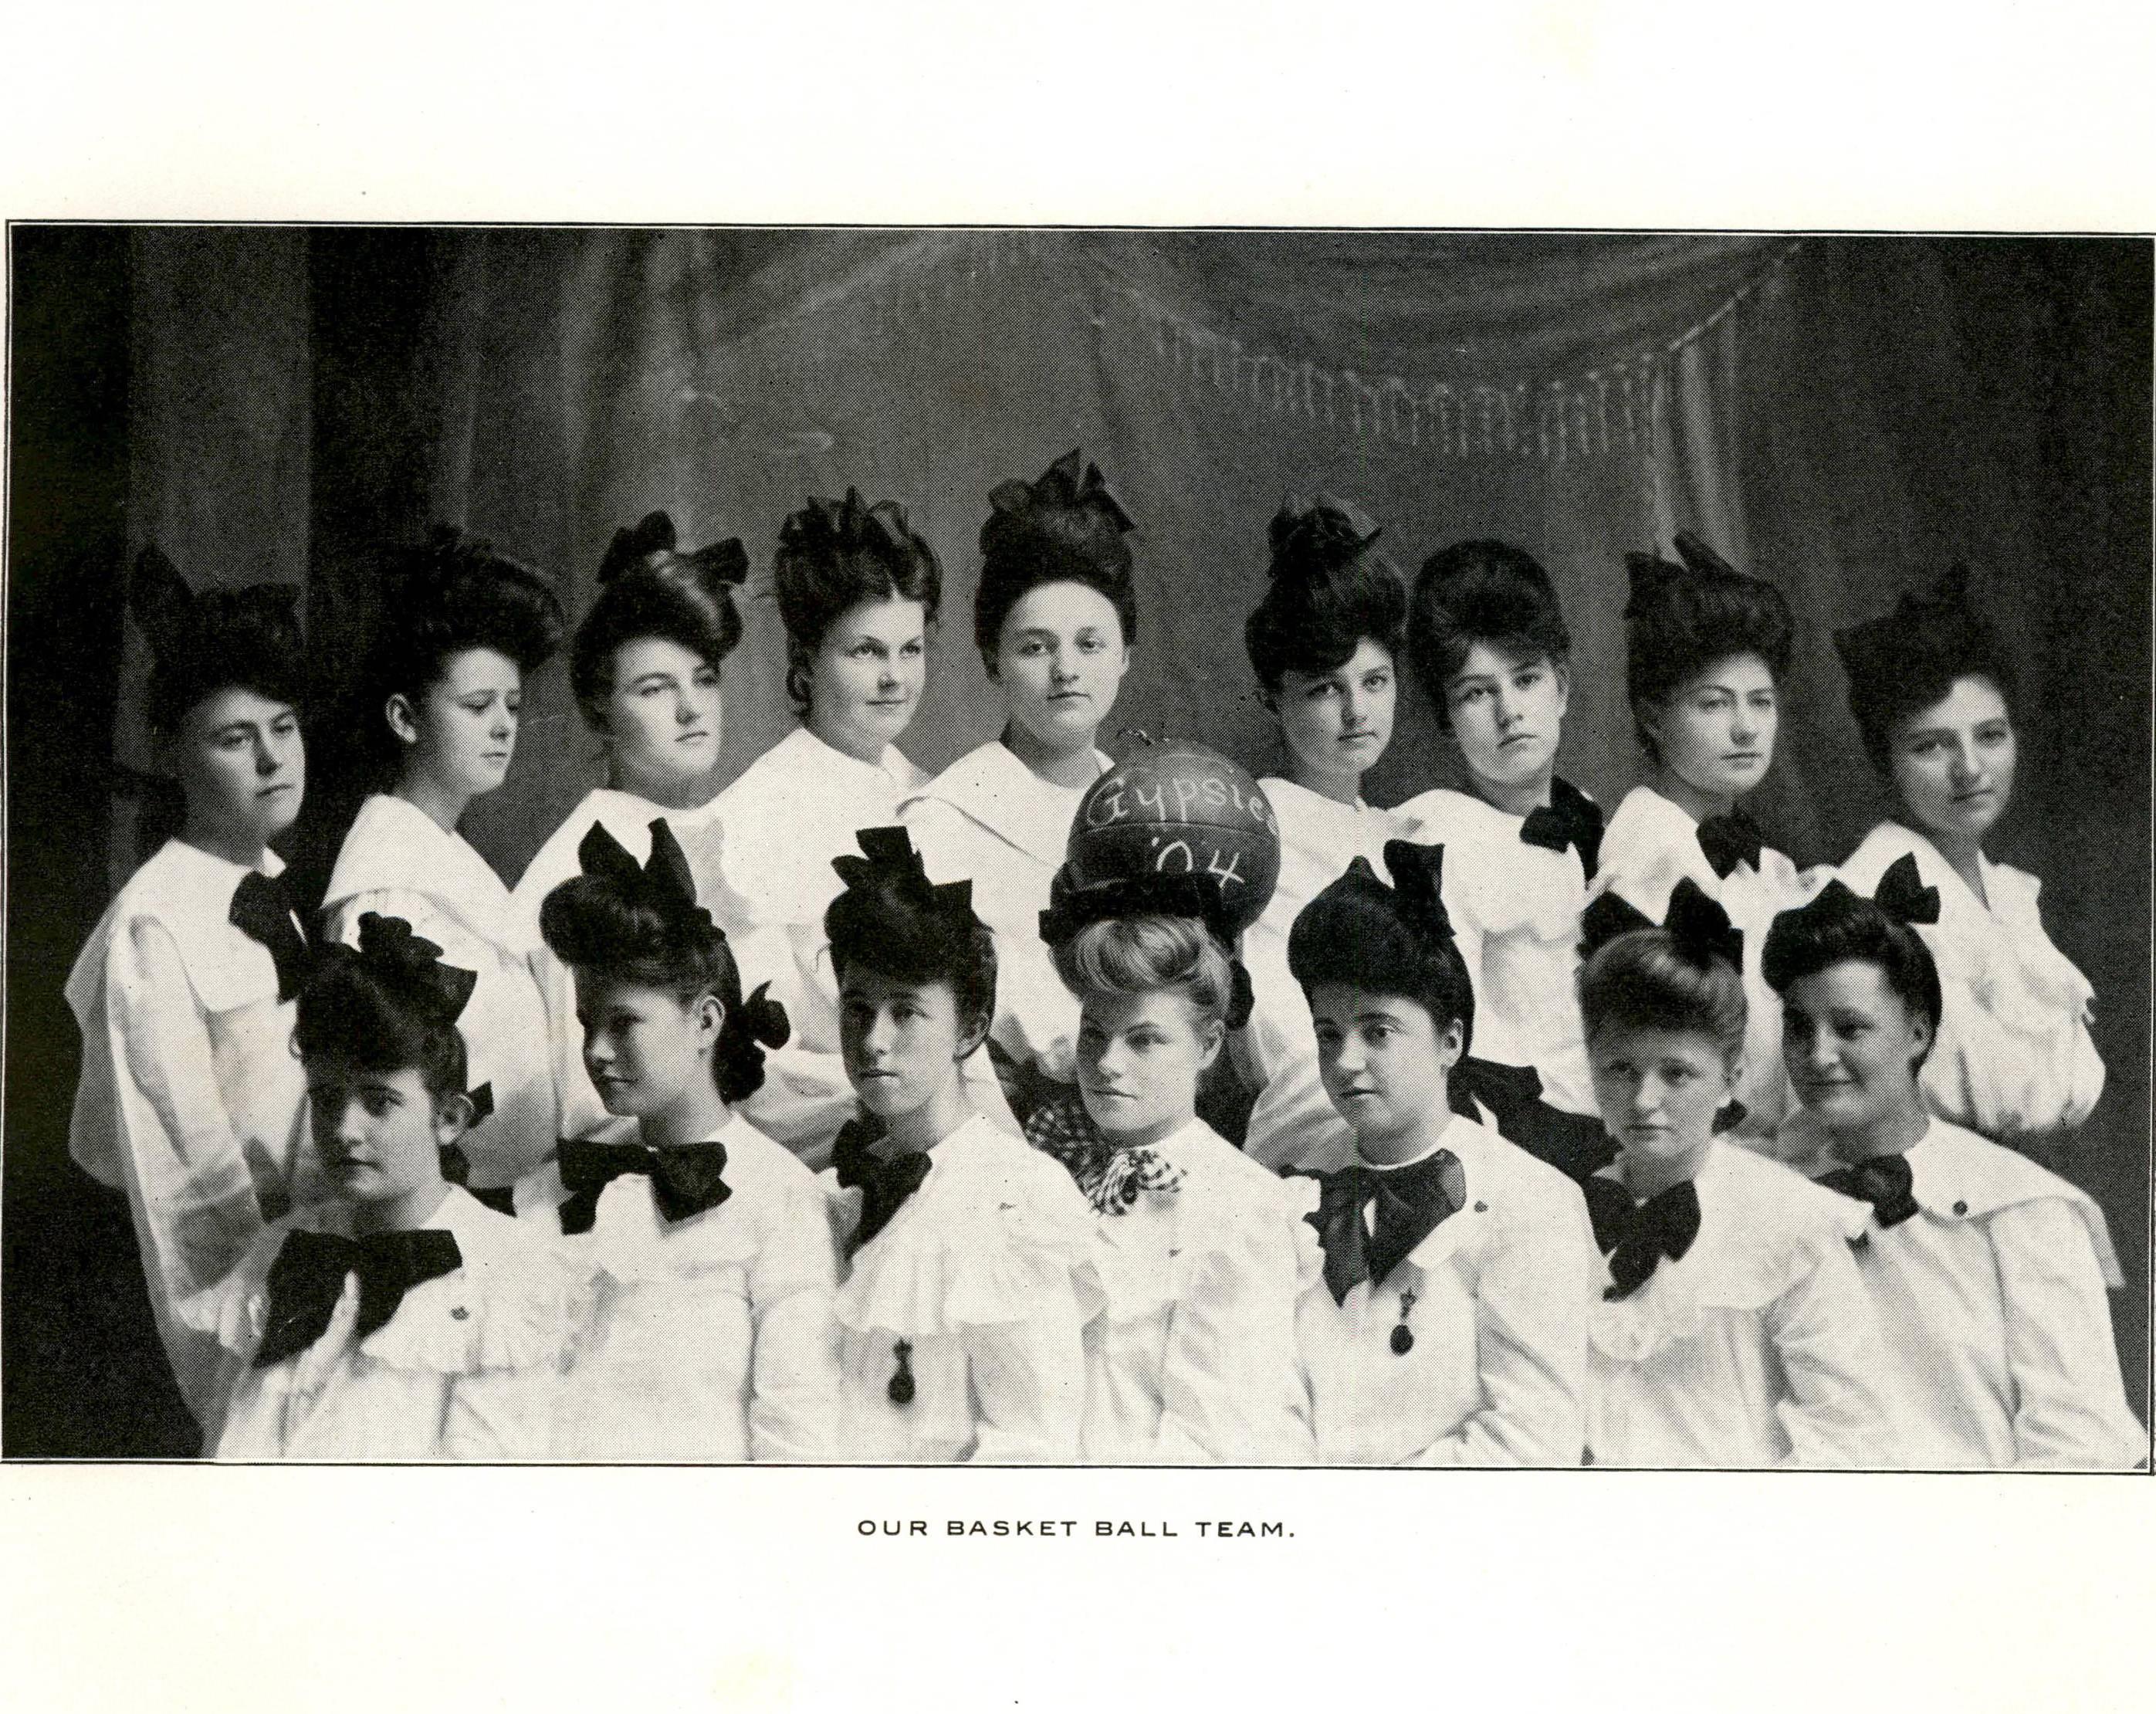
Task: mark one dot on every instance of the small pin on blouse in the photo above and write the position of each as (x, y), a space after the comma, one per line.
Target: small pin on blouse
(1961, 1208)
(1403, 1340)
(1481, 1207)
(459, 1314)
(901, 1389)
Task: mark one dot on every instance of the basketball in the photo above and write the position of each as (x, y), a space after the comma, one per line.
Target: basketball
(1179, 807)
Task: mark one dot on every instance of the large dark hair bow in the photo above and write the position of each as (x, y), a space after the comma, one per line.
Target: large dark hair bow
(725, 562)
(175, 619)
(1699, 929)
(892, 865)
(408, 965)
(664, 885)
(1901, 895)
(1418, 880)
(1651, 574)
(1150, 895)
(1323, 530)
(1877, 646)
(833, 526)
(1063, 484)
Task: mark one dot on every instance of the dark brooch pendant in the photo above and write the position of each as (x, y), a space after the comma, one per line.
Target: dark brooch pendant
(1403, 1335)
(901, 1389)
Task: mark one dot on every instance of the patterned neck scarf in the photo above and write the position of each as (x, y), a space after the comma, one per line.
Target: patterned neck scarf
(1110, 1178)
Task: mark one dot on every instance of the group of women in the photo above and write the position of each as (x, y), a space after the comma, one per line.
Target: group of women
(813, 1118)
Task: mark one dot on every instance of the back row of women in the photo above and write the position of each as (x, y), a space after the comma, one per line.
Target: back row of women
(1736, 1172)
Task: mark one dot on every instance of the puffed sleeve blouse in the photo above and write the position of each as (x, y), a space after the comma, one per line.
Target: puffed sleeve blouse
(1648, 846)
(1494, 1299)
(1992, 1299)
(191, 1100)
(2013, 1053)
(1194, 1361)
(1759, 1348)
(469, 1369)
(397, 861)
(987, 1275)
(710, 1337)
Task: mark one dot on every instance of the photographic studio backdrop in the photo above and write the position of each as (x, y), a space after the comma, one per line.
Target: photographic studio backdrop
(1845, 416)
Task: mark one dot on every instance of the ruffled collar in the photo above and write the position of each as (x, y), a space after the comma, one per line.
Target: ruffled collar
(992, 787)
(1760, 1227)
(188, 891)
(396, 847)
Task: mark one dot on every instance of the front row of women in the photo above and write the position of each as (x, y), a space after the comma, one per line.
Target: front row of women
(1128, 1287)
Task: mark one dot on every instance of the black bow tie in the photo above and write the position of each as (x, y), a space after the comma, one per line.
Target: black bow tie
(686, 1180)
(308, 1277)
(1570, 819)
(1636, 1235)
(1412, 1202)
(1885, 1181)
(885, 1184)
(263, 911)
(1728, 840)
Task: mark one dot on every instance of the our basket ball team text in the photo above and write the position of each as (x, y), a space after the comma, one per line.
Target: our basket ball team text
(1071, 1108)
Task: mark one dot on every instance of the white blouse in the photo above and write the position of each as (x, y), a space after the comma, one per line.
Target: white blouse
(1648, 846)
(191, 1099)
(798, 806)
(1992, 1302)
(470, 1367)
(1759, 1348)
(710, 1337)
(1515, 910)
(397, 861)
(2013, 1053)
(1496, 1301)
(1293, 1124)
(989, 1274)
(989, 818)
(629, 819)
(1194, 1359)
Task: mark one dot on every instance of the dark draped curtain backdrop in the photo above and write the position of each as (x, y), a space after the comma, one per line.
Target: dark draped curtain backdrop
(1845, 416)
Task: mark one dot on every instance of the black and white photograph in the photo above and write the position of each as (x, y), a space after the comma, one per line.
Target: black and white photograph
(1078, 847)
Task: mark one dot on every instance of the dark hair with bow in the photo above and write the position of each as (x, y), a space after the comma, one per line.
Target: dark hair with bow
(833, 555)
(1907, 660)
(1840, 926)
(639, 924)
(647, 587)
(1681, 618)
(388, 1005)
(444, 599)
(893, 920)
(1685, 973)
(1064, 528)
(1328, 589)
(1395, 940)
(1480, 592)
(220, 640)
(1143, 932)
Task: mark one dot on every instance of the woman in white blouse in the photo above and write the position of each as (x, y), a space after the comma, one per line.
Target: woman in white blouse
(1054, 617)
(1322, 644)
(1491, 648)
(858, 590)
(1706, 648)
(399, 1319)
(1932, 691)
(191, 1101)
(1730, 1328)
(1205, 1253)
(644, 668)
(1989, 1273)
(973, 1261)
(1450, 1324)
(462, 626)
